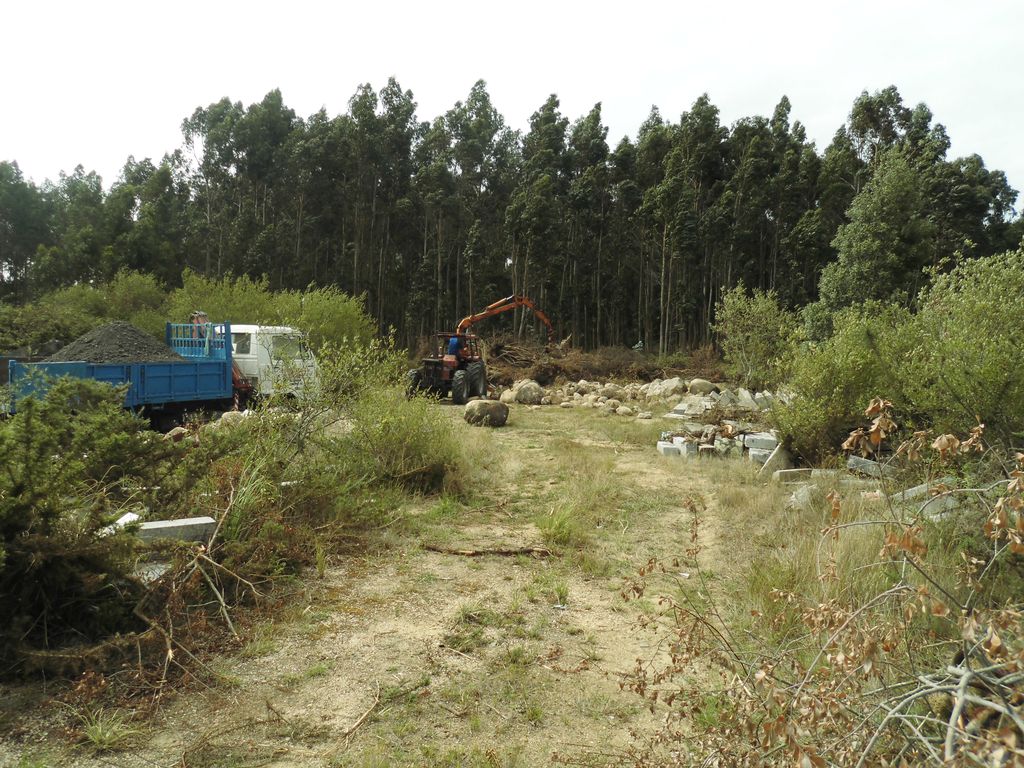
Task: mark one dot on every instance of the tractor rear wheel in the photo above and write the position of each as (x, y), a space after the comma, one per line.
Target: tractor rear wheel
(477, 374)
(460, 392)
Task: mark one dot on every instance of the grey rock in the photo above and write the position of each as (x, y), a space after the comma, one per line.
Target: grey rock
(701, 387)
(745, 400)
(727, 399)
(728, 447)
(487, 413)
(758, 455)
(529, 393)
(645, 415)
(805, 498)
(624, 410)
(508, 396)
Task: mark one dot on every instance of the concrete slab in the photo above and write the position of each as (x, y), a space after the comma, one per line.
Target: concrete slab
(186, 529)
(868, 467)
(779, 460)
(667, 449)
(758, 455)
(791, 475)
(764, 441)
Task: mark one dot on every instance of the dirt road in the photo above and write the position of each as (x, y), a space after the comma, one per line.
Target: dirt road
(445, 648)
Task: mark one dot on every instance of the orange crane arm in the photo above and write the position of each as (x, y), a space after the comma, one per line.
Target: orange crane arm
(504, 305)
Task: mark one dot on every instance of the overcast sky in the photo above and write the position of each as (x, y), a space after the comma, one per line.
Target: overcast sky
(94, 82)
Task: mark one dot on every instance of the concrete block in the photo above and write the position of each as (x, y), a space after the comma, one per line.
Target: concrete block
(758, 455)
(764, 441)
(186, 529)
(920, 491)
(778, 460)
(791, 475)
(667, 449)
(868, 467)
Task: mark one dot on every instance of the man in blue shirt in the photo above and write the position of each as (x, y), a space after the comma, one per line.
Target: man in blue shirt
(455, 346)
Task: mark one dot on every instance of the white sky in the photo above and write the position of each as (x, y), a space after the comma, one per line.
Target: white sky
(94, 82)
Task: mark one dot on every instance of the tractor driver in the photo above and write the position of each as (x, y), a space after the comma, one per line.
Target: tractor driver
(456, 347)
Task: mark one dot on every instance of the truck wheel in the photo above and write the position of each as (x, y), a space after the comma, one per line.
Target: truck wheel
(477, 379)
(413, 379)
(459, 388)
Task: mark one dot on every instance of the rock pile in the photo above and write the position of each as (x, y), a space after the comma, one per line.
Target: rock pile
(685, 400)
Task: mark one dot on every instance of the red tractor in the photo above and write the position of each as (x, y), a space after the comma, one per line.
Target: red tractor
(456, 365)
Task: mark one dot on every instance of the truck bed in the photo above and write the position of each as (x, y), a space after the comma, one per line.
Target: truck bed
(201, 378)
(149, 384)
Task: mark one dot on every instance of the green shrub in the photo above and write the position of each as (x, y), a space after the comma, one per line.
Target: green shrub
(967, 365)
(70, 464)
(833, 381)
(409, 442)
(756, 334)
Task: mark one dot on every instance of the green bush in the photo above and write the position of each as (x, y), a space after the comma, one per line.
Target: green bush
(833, 381)
(408, 442)
(756, 334)
(70, 464)
(967, 366)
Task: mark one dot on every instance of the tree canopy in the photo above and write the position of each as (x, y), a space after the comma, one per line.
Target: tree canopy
(429, 220)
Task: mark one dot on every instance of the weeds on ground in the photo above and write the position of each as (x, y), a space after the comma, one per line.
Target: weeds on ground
(925, 667)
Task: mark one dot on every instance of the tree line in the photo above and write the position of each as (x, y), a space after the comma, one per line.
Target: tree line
(430, 220)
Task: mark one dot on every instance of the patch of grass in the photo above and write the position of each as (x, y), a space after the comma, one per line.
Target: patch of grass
(262, 642)
(105, 731)
(313, 672)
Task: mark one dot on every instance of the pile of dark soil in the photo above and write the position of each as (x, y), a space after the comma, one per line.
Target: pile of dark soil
(117, 342)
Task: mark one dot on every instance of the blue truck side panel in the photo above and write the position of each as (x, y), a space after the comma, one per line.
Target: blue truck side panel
(204, 375)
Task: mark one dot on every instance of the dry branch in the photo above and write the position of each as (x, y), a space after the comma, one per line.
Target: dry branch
(499, 551)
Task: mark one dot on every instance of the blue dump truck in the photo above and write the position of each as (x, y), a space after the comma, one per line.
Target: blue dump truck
(204, 379)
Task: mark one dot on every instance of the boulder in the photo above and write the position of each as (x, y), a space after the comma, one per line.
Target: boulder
(624, 410)
(231, 418)
(566, 404)
(612, 405)
(487, 413)
(645, 415)
(508, 396)
(701, 387)
(529, 393)
(612, 391)
(176, 435)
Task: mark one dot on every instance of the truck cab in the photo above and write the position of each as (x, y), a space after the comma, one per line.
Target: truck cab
(274, 359)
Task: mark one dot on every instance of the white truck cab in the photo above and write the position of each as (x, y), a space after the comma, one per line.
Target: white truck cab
(273, 358)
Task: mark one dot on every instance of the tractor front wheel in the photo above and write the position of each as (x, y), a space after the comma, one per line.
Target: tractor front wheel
(477, 374)
(460, 391)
